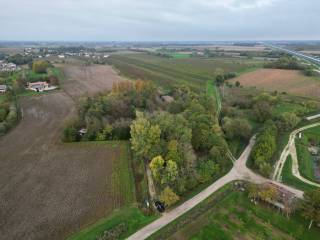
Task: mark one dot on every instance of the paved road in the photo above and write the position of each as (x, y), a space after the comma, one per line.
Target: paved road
(238, 172)
(297, 54)
(290, 149)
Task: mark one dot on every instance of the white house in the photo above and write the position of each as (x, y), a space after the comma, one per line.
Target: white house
(38, 86)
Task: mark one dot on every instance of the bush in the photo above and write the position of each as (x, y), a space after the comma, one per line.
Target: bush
(3, 128)
(114, 233)
(207, 170)
(40, 66)
(288, 121)
(169, 197)
(70, 132)
(3, 114)
(12, 116)
(237, 128)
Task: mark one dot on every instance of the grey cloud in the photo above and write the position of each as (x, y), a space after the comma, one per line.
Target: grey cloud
(105, 20)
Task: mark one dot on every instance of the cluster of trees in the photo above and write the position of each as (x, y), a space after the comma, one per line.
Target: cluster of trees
(222, 77)
(183, 146)
(264, 149)
(108, 117)
(261, 110)
(236, 128)
(19, 59)
(285, 62)
(288, 62)
(40, 66)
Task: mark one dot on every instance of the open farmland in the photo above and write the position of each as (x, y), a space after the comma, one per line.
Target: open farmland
(87, 80)
(49, 190)
(290, 81)
(167, 72)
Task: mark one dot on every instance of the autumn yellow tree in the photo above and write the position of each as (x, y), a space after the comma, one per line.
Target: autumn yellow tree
(168, 196)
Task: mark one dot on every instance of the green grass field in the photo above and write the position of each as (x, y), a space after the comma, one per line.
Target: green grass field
(167, 72)
(234, 216)
(180, 55)
(212, 90)
(292, 107)
(291, 180)
(132, 217)
(305, 159)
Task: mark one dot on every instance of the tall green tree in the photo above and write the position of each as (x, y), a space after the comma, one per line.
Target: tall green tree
(170, 173)
(157, 167)
(145, 137)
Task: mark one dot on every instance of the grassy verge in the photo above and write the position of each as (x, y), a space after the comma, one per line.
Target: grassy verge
(132, 217)
(229, 214)
(291, 180)
(305, 159)
(212, 90)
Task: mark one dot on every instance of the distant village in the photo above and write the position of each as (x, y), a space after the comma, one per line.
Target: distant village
(8, 66)
(62, 53)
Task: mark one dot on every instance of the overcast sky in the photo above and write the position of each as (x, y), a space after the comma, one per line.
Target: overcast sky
(139, 20)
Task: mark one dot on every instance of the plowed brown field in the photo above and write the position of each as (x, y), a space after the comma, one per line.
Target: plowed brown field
(49, 189)
(290, 81)
(88, 80)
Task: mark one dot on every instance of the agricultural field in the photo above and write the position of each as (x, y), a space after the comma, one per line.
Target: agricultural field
(229, 214)
(166, 72)
(44, 182)
(81, 79)
(289, 81)
(50, 189)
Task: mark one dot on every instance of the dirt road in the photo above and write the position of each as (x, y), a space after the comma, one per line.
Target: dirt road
(238, 172)
(290, 149)
(48, 189)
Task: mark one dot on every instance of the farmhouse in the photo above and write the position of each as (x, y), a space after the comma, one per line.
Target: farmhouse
(3, 88)
(38, 86)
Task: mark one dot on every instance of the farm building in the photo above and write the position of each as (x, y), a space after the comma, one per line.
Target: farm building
(283, 200)
(38, 86)
(3, 88)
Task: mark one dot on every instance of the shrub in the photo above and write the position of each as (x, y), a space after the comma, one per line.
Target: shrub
(169, 197)
(3, 114)
(40, 66)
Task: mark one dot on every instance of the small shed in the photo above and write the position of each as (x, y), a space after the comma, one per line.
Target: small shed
(167, 98)
(3, 88)
(82, 131)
